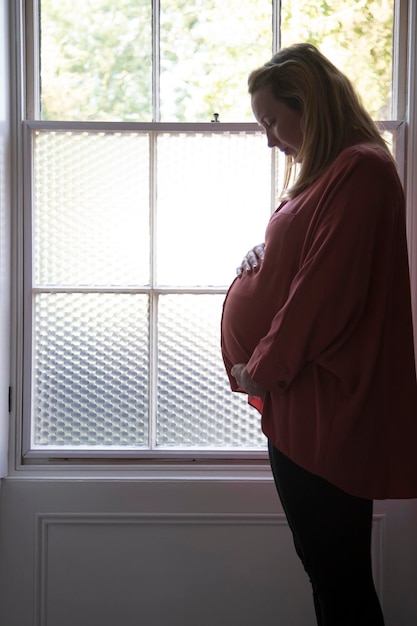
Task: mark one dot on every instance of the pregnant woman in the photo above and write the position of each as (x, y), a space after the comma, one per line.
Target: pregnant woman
(317, 328)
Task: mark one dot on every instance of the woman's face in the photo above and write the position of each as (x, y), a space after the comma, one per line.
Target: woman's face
(282, 124)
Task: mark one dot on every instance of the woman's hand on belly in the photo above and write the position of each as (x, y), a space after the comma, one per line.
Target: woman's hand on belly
(252, 260)
(245, 382)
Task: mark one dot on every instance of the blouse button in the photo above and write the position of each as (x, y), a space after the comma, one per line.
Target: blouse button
(282, 384)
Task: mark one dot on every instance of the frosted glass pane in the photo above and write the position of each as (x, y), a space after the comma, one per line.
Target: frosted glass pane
(91, 370)
(91, 215)
(214, 202)
(207, 51)
(91, 224)
(195, 405)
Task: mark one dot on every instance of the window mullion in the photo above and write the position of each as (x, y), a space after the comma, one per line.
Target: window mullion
(32, 59)
(29, 298)
(276, 25)
(399, 60)
(156, 59)
(153, 296)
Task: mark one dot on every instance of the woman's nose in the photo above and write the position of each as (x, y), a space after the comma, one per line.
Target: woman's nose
(272, 142)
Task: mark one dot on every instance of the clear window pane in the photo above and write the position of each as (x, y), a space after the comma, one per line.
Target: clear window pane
(356, 36)
(214, 201)
(96, 56)
(96, 60)
(91, 218)
(90, 370)
(207, 51)
(195, 405)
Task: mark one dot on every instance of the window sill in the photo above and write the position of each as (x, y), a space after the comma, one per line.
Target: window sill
(198, 470)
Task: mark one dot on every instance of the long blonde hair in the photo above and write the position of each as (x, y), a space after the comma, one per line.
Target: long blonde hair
(332, 113)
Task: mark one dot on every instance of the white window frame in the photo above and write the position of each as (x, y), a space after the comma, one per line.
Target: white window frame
(153, 130)
(24, 72)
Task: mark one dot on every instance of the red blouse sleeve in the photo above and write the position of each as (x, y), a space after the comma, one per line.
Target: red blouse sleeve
(349, 238)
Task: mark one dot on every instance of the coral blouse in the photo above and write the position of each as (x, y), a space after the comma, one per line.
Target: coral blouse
(325, 328)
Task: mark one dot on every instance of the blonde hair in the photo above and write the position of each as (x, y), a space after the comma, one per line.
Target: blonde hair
(332, 113)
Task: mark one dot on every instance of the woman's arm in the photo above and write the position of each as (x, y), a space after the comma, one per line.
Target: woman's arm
(343, 276)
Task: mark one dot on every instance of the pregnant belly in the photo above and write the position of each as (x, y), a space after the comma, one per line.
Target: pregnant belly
(245, 320)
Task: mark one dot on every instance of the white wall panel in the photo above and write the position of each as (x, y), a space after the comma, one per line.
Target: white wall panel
(182, 569)
(106, 553)
(141, 552)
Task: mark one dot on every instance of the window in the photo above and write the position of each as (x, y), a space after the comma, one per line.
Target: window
(125, 307)
(146, 181)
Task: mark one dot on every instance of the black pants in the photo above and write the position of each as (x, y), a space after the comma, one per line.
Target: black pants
(332, 537)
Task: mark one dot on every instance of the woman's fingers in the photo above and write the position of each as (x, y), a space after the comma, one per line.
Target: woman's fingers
(252, 260)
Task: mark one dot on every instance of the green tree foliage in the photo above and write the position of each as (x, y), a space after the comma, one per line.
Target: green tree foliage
(357, 35)
(216, 44)
(96, 59)
(98, 56)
